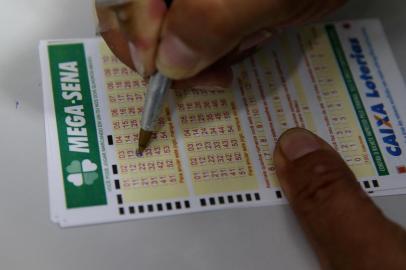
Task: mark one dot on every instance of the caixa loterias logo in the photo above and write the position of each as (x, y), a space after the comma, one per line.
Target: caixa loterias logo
(372, 91)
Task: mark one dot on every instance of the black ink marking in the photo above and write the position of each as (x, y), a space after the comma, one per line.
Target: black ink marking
(131, 209)
(159, 207)
(138, 153)
(375, 183)
(115, 170)
(119, 199)
(239, 198)
(110, 139)
(150, 208)
(212, 201)
(117, 184)
(178, 205)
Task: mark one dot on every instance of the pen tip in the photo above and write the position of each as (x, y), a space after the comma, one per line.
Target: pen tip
(139, 151)
(143, 140)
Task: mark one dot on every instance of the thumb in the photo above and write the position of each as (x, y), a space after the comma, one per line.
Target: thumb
(344, 226)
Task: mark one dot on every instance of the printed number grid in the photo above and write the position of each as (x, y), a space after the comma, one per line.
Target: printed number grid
(345, 134)
(215, 144)
(274, 98)
(157, 175)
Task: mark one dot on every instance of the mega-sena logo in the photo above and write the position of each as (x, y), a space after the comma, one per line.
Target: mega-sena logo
(371, 91)
(80, 173)
(76, 126)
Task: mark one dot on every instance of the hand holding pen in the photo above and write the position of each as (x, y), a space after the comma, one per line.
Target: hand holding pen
(122, 14)
(184, 41)
(345, 228)
(194, 37)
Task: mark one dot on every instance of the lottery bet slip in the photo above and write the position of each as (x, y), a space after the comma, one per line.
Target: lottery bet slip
(213, 147)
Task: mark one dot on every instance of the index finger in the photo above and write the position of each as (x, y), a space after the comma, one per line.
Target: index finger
(131, 30)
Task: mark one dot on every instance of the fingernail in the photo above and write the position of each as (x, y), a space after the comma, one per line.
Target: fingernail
(136, 58)
(102, 28)
(175, 58)
(296, 143)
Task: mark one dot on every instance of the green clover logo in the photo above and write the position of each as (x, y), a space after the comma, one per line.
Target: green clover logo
(82, 173)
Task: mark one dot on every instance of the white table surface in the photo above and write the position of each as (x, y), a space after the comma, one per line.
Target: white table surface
(256, 238)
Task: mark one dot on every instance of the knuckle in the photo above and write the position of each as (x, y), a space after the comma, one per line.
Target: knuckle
(322, 188)
(210, 18)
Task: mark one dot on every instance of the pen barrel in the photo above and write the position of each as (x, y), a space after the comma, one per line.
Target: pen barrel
(154, 99)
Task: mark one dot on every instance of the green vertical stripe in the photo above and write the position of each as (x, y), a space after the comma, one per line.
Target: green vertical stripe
(83, 183)
(357, 101)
